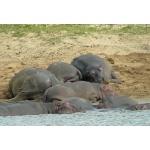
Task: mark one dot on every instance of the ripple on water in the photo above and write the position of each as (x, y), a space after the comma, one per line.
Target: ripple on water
(116, 117)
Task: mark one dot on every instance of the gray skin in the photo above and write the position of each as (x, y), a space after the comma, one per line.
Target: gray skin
(18, 79)
(79, 103)
(118, 102)
(83, 89)
(142, 106)
(65, 72)
(30, 83)
(68, 106)
(95, 69)
(27, 108)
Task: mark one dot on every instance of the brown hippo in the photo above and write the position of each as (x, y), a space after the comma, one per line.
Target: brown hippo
(95, 69)
(65, 72)
(83, 89)
(31, 82)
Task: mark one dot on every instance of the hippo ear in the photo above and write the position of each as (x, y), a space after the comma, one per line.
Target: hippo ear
(100, 68)
(144, 107)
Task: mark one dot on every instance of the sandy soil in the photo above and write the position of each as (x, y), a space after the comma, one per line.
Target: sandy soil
(128, 54)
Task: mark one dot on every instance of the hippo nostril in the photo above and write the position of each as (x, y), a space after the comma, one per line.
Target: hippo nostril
(136, 107)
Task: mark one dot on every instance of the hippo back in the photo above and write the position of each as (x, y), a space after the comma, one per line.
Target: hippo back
(22, 108)
(80, 89)
(64, 71)
(93, 67)
(28, 85)
(16, 82)
(120, 102)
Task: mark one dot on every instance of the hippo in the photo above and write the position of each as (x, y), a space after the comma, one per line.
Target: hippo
(83, 89)
(20, 77)
(31, 82)
(143, 106)
(27, 108)
(95, 69)
(68, 106)
(118, 102)
(65, 72)
(79, 103)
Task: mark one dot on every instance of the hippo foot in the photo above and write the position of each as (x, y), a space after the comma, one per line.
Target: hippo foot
(9, 95)
(121, 81)
(13, 100)
(10, 101)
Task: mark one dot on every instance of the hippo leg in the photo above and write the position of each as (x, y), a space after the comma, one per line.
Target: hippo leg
(76, 78)
(26, 93)
(115, 78)
(9, 95)
(79, 74)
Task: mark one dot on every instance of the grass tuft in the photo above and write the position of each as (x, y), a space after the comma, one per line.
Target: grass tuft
(19, 30)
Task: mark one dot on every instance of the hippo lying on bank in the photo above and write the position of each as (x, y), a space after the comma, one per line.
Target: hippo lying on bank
(68, 106)
(31, 82)
(65, 72)
(18, 78)
(119, 102)
(87, 90)
(95, 69)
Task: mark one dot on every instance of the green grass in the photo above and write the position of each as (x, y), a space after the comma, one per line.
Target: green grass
(53, 41)
(135, 29)
(74, 29)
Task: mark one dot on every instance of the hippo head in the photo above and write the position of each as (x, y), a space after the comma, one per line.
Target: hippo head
(111, 102)
(142, 106)
(105, 105)
(96, 74)
(66, 108)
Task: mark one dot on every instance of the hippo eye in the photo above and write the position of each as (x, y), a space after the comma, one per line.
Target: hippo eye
(91, 73)
(100, 68)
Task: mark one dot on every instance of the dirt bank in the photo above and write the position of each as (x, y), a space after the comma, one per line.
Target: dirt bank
(129, 55)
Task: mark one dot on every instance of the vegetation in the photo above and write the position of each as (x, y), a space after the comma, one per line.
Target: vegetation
(74, 29)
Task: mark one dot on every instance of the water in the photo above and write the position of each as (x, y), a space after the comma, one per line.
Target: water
(117, 117)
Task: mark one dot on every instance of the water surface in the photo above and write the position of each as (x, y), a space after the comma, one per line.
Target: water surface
(117, 117)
